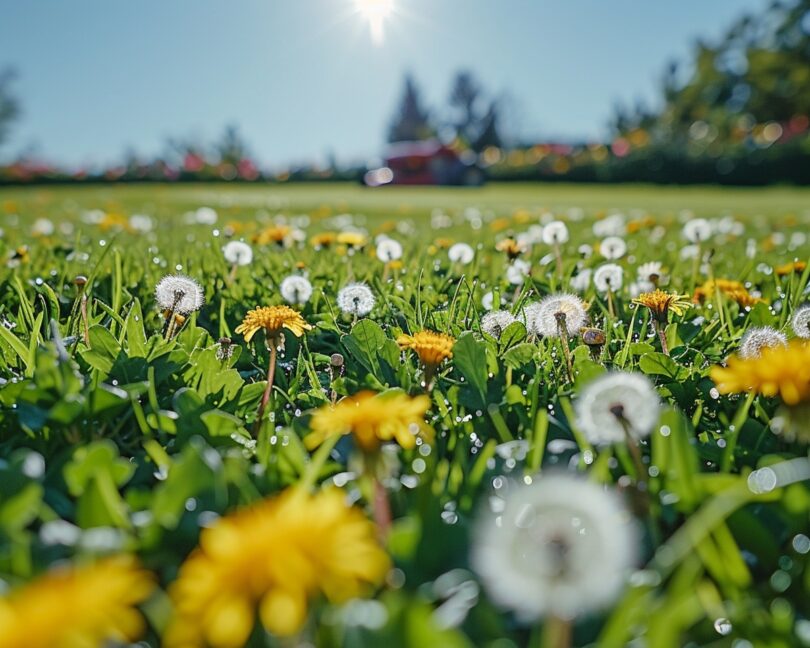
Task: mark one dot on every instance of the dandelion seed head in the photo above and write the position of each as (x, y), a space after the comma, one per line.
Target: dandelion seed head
(555, 233)
(528, 316)
(608, 277)
(238, 252)
(355, 299)
(758, 338)
(560, 546)
(389, 250)
(650, 271)
(179, 293)
(612, 248)
(801, 322)
(697, 230)
(549, 309)
(517, 271)
(494, 322)
(461, 253)
(580, 281)
(295, 289)
(615, 402)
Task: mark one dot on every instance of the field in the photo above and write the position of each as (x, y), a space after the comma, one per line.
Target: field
(297, 415)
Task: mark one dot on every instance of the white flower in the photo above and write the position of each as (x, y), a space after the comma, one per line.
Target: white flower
(389, 250)
(487, 300)
(295, 289)
(613, 225)
(179, 294)
(801, 322)
(758, 338)
(689, 252)
(585, 250)
(569, 309)
(613, 248)
(528, 316)
(461, 253)
(615, 401)
(238, 252)
(42, 227)
(141, 223)
(697, 230)
(517, 271)
(650, 270)
(608, 277)
(205, 216)
(581, 280)
(560, 546)
(494, 322)
(355, 299)
(555, 233)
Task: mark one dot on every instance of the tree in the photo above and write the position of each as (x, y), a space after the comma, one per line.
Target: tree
(232, 148)
(477, 127)
(412, 121)
(9, 107)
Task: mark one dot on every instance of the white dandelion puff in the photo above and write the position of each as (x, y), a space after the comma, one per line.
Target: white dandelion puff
(295, 289)
(613, 225)
(494, 322)
(650, 271)
(461, 253)
(355, 299)
(613, 248)
(608, 277)
(179, 294)
(389, 250)
(141, 223)
(640, 287)
(616, 405)
(560, 546)
(801, 322)
(697, 230)
(564, 308)
(517, 271)
(555, 233)
(758, 338)
(238, 253)
(528, 317)
(42, 227)
(581, 281)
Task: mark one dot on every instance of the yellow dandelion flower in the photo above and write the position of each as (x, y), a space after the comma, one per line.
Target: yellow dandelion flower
(782, 370)
(74, 607)
(660, 303)
(352, 239)
(273, 319)
(729, 287)
(443, 243)
(510, 247)
(372, 419)
(273, 558)
(275, 234)
(431, 347)
(789, 268)
(323, 240)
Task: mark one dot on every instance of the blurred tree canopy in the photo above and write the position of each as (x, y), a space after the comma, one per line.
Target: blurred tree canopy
(411, 121)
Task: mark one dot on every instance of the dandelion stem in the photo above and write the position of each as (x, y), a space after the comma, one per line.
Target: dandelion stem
(271, 373)
(232, 274)
(85, 326)
(556, 633)
(382, 508)
(661, 336)
(558, 258)
(563, 335)
(611, 308)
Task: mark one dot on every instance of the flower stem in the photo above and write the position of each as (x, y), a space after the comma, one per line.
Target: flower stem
(562, 332)
(271, 373)
(558, 258)
(661, 336)
(382, 509)
(556, 633)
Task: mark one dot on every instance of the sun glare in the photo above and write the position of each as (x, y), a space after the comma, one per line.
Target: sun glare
(375, 12)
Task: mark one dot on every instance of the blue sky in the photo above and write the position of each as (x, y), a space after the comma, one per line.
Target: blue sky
(302, 78)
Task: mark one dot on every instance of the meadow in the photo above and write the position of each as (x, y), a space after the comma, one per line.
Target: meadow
(324, 415)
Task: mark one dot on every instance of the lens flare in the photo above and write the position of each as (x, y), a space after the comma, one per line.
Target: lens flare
(375, 12)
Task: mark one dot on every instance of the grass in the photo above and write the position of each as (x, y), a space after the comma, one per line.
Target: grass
(111, 428)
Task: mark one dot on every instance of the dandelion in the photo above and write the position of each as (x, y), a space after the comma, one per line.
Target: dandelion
(608, 278)
(352, 240)
(355, 299)
(89, 605)
(659, 303)
(651, 272)
(729, 287)
(460, 253)
(789, 268)
(528, 316)
(431, 348)
(560, 548)
(758, 338)
(295, 289)
(517, 271)
(273, 558)
(323, 240)
(697, 230)
(389, 250)
(42, 227)
(581, 281)
(278, 234)
(779, 370)
(555, 234)
(177, 295)
(511, 248)
(238, 253)
(372, 419)
(273, 319)
(495, 322)
(561, 316)
(612, 248)
(205, 216)
(801, 322)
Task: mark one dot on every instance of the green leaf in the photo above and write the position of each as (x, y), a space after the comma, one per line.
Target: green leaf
(470, 359)
(660, 365)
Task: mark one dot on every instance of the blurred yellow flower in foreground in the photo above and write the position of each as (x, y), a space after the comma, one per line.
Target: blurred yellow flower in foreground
(780, 370)
(372, 419)
(431, 347)
(273, 557)
(272, 319)
(660, 303)
(77, 607)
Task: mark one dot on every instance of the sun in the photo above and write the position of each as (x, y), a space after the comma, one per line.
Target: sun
(375, 12)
